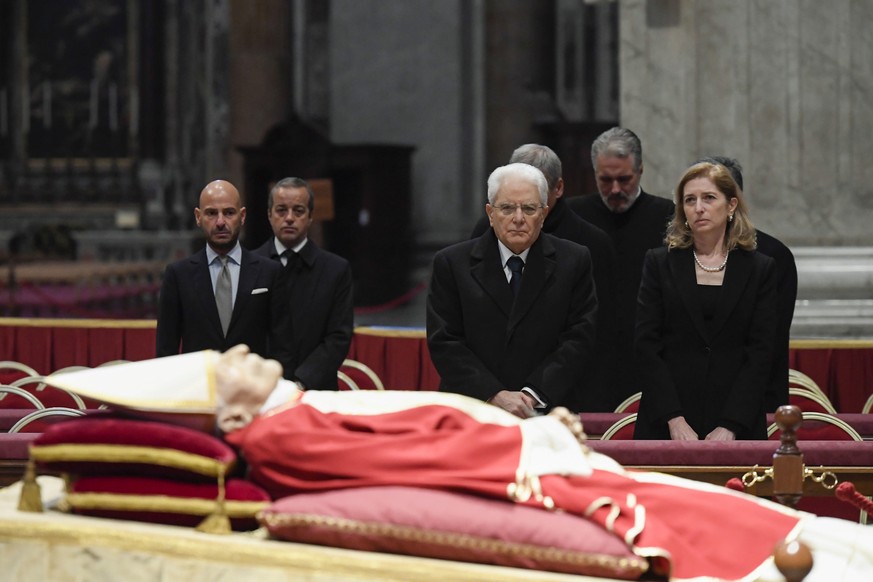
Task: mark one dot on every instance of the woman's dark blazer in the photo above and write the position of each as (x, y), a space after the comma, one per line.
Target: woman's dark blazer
(712, 378)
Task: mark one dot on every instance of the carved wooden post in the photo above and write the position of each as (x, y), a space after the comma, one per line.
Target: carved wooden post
(788, 460)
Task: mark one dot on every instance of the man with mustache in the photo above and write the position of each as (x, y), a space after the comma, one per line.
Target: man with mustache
(222, 295)
(636, 222)
(319, 295)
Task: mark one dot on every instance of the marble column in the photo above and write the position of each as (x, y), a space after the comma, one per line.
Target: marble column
(785, 86)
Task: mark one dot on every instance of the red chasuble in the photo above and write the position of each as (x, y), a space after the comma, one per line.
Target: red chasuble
(341, 440)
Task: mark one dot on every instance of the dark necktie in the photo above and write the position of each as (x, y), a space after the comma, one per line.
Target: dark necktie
(516, 266)
(292, 261)
(224, 295)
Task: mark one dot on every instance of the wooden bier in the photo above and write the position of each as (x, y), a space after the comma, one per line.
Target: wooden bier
(788, 478)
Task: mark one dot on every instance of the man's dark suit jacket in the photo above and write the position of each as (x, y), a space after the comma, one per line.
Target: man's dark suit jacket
(483, 340)
(713, 374)
(786, 297)
(632, 233)
(562, 222)
(188, 318)
(319, 299)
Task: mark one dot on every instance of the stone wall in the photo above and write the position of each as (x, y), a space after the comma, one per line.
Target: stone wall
(786, 87)
(399, 75)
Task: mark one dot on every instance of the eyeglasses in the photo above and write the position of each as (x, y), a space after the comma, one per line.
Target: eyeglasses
(510, 209)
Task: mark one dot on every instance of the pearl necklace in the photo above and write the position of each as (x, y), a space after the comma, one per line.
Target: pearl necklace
(710, 269)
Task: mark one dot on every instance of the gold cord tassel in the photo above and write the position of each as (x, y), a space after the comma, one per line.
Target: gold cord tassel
(217, 522)
(31, 496)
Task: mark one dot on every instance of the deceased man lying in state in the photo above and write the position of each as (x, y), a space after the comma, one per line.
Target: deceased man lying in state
(297, 442)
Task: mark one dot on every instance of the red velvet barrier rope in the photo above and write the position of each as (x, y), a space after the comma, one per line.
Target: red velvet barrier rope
(73, 309)
(84, 312)
(846, 492)
(396, 302)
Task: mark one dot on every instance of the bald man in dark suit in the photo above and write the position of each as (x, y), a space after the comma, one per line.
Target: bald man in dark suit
(190, 316)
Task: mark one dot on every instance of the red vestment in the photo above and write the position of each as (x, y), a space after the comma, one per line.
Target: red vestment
(703, 531)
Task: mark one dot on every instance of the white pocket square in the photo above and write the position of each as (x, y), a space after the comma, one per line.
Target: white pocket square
(259, 290)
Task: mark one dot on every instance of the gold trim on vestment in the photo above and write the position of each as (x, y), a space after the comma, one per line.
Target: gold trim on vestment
(528, 485)
(105, 453)
(639, 525)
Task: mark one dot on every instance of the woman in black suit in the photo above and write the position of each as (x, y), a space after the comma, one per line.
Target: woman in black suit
(706, 318)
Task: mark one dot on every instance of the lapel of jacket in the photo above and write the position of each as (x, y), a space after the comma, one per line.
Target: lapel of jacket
(538, 270)
(248, 274)
(681, 265)
(303, 289)
(203, 290)
(487, 270)
(736, 277)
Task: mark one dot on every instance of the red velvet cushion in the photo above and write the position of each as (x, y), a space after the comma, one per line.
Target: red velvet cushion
(452, 526)
(164, 501)
(105, 444)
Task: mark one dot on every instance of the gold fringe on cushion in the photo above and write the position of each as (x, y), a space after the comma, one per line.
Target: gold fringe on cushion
(107, 453)
(31, 496)
(217, 522)
(86, 502)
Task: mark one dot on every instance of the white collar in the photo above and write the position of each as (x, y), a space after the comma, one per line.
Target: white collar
(280, 248)
(505, 253)
(235, 254)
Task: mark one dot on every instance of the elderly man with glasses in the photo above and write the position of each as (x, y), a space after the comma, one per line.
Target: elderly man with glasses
(510, 315)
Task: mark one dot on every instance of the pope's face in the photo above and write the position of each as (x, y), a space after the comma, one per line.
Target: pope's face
(243, 382)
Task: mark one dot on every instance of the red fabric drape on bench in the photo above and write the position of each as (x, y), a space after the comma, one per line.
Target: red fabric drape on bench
(842, 368)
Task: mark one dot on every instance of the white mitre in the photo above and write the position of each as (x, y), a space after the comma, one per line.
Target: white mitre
(178, 389)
